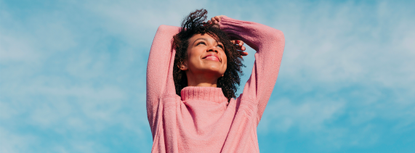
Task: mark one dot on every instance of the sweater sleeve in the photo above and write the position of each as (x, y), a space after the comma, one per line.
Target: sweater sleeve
(158, 69)
(269, 46)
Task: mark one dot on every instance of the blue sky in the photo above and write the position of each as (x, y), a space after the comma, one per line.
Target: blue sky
(72, 74)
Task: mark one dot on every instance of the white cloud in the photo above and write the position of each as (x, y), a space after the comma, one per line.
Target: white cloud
(309, 115)
(15, 49)
(14, 143)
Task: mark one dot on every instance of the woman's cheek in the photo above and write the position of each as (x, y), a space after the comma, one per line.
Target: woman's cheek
(224, 67)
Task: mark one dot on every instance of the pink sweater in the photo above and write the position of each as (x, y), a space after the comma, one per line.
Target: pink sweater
(202, 120)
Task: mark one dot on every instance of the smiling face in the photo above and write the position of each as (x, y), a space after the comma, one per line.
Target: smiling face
(205, 55)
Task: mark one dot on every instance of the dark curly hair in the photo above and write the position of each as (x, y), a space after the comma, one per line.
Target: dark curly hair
(194, 24)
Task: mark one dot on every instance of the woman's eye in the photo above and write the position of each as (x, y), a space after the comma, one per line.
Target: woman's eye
(221, 46)
(201, 43)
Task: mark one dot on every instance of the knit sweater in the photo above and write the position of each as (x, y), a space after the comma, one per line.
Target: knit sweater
(202, 119)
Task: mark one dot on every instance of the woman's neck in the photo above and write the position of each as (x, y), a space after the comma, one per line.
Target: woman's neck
(204, 80)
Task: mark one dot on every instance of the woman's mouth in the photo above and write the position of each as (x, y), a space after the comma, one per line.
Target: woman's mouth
(212, 57)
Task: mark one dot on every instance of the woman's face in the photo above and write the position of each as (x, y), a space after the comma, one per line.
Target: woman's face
(205, 55)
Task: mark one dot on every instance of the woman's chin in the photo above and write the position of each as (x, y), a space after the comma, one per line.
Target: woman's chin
(215, 70)
(211, 72)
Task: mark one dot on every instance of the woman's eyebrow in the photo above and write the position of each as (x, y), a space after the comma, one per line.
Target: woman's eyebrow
(198, 39)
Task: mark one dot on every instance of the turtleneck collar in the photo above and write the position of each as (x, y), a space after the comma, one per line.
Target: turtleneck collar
(203, 93)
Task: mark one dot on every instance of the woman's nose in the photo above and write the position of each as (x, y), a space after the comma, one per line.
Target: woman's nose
(212, 49)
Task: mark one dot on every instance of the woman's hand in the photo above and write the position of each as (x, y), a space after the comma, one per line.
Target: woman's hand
(239, 43)
(239, 47)
(215, 20)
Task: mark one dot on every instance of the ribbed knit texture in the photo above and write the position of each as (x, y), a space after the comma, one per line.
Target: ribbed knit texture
(203, 93)
(202, 119)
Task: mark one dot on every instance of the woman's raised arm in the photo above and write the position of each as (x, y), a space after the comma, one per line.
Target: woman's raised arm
(158, 67)
(269, 45)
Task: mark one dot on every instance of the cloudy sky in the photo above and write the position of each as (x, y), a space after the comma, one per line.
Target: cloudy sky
(72, 74)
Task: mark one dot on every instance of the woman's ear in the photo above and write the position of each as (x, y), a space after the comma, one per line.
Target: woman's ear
(183, 66)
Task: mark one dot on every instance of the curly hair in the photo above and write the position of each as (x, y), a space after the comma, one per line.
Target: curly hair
(194, 24)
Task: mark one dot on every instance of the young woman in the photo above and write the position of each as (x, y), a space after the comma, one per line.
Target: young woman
(192, 75)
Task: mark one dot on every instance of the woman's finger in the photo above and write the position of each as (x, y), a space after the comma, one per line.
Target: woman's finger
(213, 19)
(241, 53)
(243, 48)
(217, 18)
(240, 43)
(240, 48)
(244, 53)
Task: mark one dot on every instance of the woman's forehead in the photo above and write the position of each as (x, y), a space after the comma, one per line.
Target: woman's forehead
(206, 36)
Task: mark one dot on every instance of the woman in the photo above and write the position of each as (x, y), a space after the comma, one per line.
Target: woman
(191, 83)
